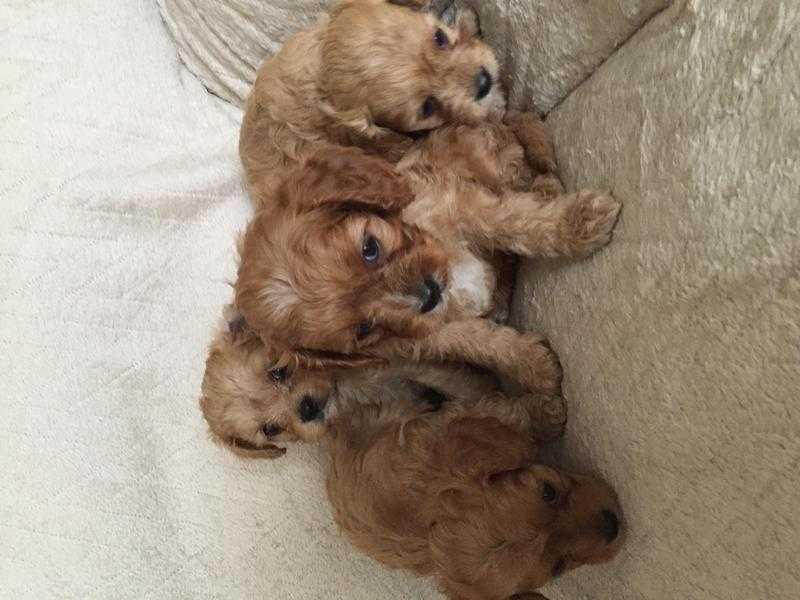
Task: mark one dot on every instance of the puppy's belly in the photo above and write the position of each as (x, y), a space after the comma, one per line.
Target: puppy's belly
(472, 283)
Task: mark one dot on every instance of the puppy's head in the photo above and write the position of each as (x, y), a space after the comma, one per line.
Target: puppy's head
(517, 527)
(403, 67)
(251, 405)
(330, 271)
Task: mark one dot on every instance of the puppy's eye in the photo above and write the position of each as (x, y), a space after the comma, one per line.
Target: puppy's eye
(549, 493)
(559, 567)
(370, 249)
(363, 330)
(271, 429)
(428, 107)
(440, 37)
(278, 374)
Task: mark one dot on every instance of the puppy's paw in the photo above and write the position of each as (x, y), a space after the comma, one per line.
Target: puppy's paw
(548, 185)
(552, 419)
(589, 220)
(540, 369)
(534, 139)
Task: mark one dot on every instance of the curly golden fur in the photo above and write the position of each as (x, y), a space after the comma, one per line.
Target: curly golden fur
(457, 494)
(251, 405)
(366, 75)
(432, 468)
(351, 256)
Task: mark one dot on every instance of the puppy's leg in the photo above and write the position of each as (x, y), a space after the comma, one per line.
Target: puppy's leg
(530, 224)
(534, 139)
(505, 265)
(525, 358)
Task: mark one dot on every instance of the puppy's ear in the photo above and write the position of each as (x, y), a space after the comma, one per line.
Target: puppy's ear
(247, 450)
(347, 177)
(316, 359)
(446, 10)
(485, 449)
(468, 23)
(415, 4)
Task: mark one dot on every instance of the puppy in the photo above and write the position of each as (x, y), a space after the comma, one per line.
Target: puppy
(457, 495)
(251, 405)
(352, 258)
(367, 75)
(446, 488)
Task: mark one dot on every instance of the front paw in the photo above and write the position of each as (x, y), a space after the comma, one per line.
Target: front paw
(534, 139)
(551, 420)
(548, 185)
(589, 221)
(539, 366)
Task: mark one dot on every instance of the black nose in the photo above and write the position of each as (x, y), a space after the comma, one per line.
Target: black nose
(609, 525)
(431, 294)
(309, 409)
(483, 84)
(433, 397)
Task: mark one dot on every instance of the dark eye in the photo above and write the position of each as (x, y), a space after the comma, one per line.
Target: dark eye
(271, 429)
(428, 107)
(371, 249)
(278, 374)
(440, 37)
(559, 567)
(363, 330)
(549, 493)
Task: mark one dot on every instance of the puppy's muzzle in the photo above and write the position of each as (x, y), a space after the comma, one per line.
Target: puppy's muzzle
(430, 295)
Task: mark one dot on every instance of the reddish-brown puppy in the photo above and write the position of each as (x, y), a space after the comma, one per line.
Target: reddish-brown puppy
(253, 406)
(457, 495)
(353, 259)
(449, 489)
(365, 76)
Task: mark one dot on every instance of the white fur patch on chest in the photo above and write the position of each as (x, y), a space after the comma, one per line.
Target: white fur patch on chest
(472, 283)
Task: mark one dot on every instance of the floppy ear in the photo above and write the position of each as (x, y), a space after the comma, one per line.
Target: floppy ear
(345, 176)
(415, 4)
(317, 359)
(467, 22)
(247, 450)
(446, 10)
(485, 449)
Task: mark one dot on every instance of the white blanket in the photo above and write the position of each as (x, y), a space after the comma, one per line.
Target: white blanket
(120, 201)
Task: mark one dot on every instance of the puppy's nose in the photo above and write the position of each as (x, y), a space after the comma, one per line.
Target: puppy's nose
(483, 84)
(609, 525)
(310, 409)
(430, 294)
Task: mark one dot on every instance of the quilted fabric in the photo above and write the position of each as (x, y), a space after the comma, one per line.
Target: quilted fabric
(120, 201)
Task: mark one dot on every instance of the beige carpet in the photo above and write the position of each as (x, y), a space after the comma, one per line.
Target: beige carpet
(121, 197)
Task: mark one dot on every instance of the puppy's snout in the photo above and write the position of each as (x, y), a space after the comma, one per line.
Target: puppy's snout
(609, 525)
(430, 294)
(310, 409)
(483, 84)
